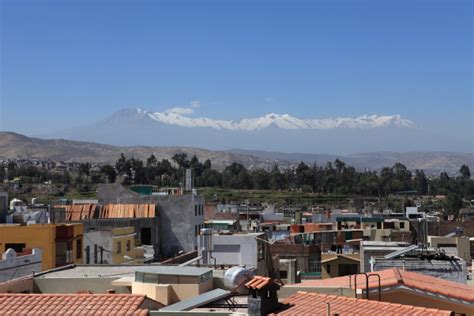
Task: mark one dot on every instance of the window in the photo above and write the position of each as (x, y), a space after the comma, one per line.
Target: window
(119, 247)
(16, 247)
(79, 249)
(195, 210)
(328, 268)
(402, 225)
(96, 251)
(379, 225)
(128, 246)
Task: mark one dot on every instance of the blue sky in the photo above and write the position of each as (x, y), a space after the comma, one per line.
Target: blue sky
(66, 63)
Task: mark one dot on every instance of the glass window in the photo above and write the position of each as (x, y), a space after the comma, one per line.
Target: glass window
(168, 279)
(119, 247)
(128, 245)
(205, 277)
(150, 278)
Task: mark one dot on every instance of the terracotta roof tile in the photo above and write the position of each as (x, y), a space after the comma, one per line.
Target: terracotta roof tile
(392, 277)
(304, 303)
(71, 304)
(258, 282)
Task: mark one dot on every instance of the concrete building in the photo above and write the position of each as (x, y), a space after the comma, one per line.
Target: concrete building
(3, 206)
(181, 220)
(180, 216)
(413, 213)
(370, 249)
(308, 257)
(60, 244)
(466, 214)
(247, 250)
(168, 284)
(111, 246)
(220, 225)
(288, 271)
(429, 263)
(16, 265)
(336, 265)
(452, 246)
(146, 229)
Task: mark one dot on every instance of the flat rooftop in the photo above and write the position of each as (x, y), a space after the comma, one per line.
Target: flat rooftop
(174, 270)
(92, 272)
(119, 271)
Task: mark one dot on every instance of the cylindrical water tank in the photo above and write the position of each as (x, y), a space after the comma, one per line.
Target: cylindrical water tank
(206, 239)
(15, 202)
(236, 277)
(33, 201)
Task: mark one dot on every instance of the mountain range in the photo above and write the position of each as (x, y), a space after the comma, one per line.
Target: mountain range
(13, 145)
(270, 132)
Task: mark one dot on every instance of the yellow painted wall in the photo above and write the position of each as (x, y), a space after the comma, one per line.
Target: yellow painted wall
(41, 236)
(123, 235)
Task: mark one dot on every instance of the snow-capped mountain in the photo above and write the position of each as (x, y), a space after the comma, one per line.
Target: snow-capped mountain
(283, 121)
(271, 132)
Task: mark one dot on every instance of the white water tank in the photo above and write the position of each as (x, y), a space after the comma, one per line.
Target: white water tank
(34, 201)
(236, 277)
(15, 202)
(206, 244)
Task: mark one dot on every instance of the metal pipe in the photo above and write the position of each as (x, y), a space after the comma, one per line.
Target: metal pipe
(190, 261)
(380, 285)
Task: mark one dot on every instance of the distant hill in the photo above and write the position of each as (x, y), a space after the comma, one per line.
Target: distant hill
(431, 162)
(13, 145)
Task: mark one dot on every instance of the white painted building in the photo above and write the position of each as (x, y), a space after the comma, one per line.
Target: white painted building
(15, 265)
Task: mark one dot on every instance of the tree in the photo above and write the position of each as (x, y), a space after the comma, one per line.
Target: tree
(453, 204)
(421, 182)
(109, 172)
(277, 179)
(261, 179)
(236, 176)
(84, 168)
(151, 161)
(465, 172)
(121, 165)
(181, 160)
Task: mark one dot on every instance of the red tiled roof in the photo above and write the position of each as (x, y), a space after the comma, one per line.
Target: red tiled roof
(392, 277)
(72, 304)
(304, 303)
(258, 282)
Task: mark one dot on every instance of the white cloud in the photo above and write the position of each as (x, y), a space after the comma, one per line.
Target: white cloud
(195, 104)
(181, 111)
